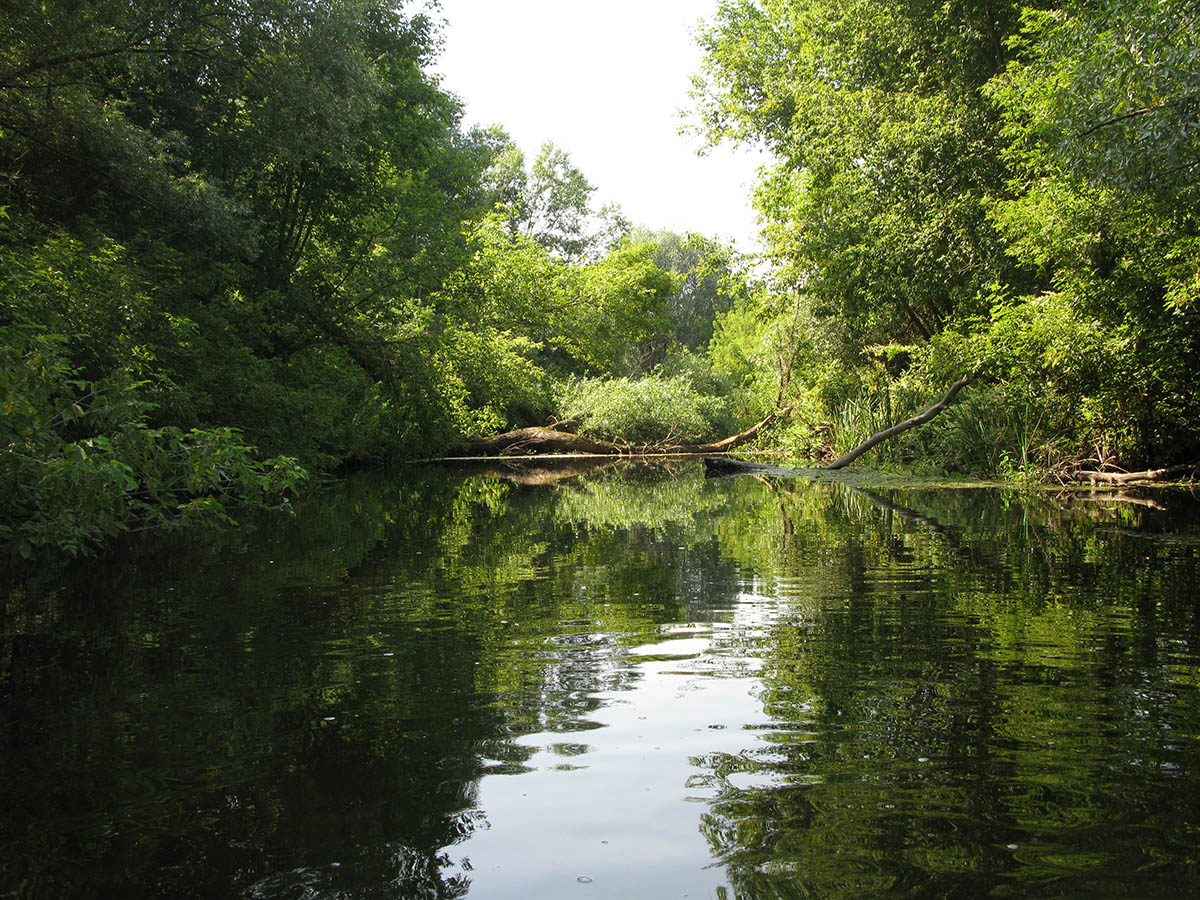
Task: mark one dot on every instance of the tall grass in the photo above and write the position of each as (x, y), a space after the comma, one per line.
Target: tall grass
(1007, 431)
(870, 411)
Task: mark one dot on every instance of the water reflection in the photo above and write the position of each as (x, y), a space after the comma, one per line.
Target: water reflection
(501, 683)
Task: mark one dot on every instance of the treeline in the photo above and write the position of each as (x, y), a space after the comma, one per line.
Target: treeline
(1005, 188)
(244, 243)
(241, 243)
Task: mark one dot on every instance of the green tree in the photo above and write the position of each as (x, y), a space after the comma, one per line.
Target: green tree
(79, 463)
(551, 200)
(1102, 122)
(707, 272)
(556, 203)
(886, 154)
(285, 178)
(243, 211)
(992, 186)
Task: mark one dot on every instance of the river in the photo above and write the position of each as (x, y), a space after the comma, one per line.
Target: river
(634, 682)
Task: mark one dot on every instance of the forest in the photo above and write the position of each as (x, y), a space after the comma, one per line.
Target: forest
(247, 245)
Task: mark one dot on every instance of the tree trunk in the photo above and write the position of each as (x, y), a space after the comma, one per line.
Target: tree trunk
(881, 436)
(539, 439)
(1127, 477)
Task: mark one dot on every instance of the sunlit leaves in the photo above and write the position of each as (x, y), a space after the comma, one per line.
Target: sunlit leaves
(652, 410)
(1101, 117)
(929, 155)
(885, 154)
(1109, 91)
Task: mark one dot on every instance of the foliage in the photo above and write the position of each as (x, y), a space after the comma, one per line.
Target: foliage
(1105, 93)
(709, 278)
(551, 202)
(620, 302)
(263, 225)
(1102, 132)
(516, 316)
(651, 410)
(1004, 189)
(883, 148)
(79, 464)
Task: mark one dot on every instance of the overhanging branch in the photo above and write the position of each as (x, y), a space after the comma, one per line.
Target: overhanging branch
(921, 419)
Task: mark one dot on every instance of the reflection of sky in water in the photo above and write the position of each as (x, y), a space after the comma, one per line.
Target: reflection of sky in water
(625, 814)
(777, 688)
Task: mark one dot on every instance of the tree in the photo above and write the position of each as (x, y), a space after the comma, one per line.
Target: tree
(875, 209)
(240, 212)
(705, 267)
(990, 186)
(555, 207)
(551, 202)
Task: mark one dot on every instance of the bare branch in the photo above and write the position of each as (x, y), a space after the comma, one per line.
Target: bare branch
(881, 436)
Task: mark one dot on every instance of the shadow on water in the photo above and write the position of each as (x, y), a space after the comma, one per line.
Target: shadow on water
(954, 693)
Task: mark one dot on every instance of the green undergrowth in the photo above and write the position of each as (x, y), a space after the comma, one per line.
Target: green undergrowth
(80, 463)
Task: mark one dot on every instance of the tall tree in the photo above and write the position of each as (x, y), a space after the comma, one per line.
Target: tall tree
(886, 153)
(1102, 120)
(705, 271)
(550, 201)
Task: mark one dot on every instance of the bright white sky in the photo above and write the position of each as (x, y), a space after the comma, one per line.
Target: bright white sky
(604, 80)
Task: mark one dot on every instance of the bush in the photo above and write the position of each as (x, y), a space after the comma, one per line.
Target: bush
(654, 410)
(79, 463)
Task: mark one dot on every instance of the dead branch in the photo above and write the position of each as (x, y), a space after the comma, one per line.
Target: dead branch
(881, 436)
(539, 439)
(1097, 477)
(734, 440)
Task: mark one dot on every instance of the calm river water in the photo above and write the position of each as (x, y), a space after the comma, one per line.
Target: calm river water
(630, 683)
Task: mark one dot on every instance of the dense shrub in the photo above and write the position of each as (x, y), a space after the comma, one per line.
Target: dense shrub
(79, 463)
(655, 409)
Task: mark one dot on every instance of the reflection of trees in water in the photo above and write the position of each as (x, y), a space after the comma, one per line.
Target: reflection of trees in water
(237, 721)
(965, 694)
(306, 707)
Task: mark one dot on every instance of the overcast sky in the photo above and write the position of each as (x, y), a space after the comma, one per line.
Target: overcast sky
(605, 81)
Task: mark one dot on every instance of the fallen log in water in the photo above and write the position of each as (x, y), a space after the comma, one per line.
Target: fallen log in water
(1100, 477)
(538, 469)
(540, 439)
(740, 438)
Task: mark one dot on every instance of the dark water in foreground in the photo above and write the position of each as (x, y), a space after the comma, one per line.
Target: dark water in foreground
(631, 684)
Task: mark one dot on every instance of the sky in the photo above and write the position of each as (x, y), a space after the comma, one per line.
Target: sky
(605, 81)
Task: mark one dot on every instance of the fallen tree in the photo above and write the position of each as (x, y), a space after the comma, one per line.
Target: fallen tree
(542, 439)
(740, 438)
(540, 469)
(920, 419)
(1101, 477)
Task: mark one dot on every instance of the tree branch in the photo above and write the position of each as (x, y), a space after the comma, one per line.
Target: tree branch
(1096, 477)
(1135, 113)
(881, 436)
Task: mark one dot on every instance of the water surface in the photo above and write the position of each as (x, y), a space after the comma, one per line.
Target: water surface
(628, 683)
